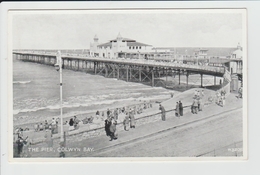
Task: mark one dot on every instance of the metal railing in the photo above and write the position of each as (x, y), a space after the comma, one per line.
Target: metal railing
(142, 62)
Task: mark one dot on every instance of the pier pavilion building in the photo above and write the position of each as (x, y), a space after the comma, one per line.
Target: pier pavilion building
(120, 47)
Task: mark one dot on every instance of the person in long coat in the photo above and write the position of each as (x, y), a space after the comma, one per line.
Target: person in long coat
(112, 129)
(76, 123)
(107, 126)
(48, 138)
(132, 119)
(181, 108)
(163, 112)
(195, 106)
(177, 110)
(126, 123)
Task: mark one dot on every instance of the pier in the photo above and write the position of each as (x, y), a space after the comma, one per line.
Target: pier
(134, 70)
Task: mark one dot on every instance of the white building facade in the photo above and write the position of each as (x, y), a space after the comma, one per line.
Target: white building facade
(120, 47)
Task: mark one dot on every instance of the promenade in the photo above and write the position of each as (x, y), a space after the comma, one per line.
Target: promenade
(212, 116)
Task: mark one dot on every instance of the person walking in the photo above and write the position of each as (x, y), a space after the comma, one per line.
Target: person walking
(76, 123)
(46, 125)
(53, 126)
(71, 122)
(107, 126)
(108, 113)
(126, 123)
(163, 112)
(181, 108)
(132, 119)
(112, 128)
(177, 110)
(195, 106)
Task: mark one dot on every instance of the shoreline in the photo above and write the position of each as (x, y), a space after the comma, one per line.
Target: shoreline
(90, 112)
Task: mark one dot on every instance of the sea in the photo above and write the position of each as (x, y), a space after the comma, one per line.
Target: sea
(36, 93)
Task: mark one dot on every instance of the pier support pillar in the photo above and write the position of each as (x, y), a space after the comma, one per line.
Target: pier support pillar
(130, 73)
(118, 71)
(86, 66)
(152, 78)
(127, 73)
(78, 64)
(215, 80)
(140, 74)
(166, 73)
(106, 70)
(179, 76)
(70, 64)
(95, 67)
(114, 75)
(201, 80)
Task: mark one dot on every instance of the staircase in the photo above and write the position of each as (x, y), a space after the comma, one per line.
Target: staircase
(227, 75)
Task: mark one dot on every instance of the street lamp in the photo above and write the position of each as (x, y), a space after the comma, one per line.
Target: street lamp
(58, 67)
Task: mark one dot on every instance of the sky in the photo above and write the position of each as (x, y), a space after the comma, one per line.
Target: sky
(75, 30)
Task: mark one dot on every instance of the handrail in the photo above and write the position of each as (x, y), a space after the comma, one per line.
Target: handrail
(139, 62)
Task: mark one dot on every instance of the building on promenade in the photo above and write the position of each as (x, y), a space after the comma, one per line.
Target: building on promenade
(120, 47)
(236, 61)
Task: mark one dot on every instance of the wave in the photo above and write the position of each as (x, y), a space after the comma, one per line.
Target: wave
(90, 103)
(21, 82)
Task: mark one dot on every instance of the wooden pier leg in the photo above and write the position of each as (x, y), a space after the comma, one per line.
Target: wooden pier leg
(152, 78)
(215, 79)
(106, 71)
(114, 75)
(127, 73)
(166, 78)
(201, 80)
(118, 71)
(179, 76)
(78, 64)
(140, 74)
(130, 73)
(95, 67)
(86, 66)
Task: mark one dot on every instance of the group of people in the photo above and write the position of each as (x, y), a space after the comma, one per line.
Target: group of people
(197, 104)
(129, 119)
(221, 98)
(73, 123)
(110, 128)
(53, 126)
(111, 122)
(179, 109)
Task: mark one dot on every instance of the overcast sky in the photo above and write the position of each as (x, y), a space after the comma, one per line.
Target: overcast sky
(167, 29)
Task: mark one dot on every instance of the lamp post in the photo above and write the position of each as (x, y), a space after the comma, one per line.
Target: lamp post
(58, 67)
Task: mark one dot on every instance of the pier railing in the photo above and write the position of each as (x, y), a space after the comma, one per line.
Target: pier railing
(137, 62)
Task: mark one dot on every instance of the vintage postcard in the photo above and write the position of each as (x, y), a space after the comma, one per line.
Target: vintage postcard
(134, 84)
